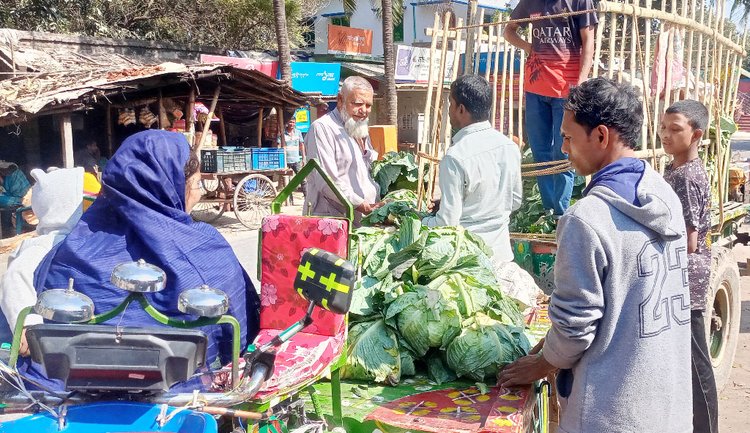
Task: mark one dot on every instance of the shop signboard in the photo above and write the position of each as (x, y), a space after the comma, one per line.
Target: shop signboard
(302, 116)
(349, 40)
(413, 64)
(268, 67)
(316, 77)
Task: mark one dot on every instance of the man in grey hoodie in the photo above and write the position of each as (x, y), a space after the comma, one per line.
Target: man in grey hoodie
(620, 311)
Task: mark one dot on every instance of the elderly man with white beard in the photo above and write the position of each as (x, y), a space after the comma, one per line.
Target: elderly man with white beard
(340, 142)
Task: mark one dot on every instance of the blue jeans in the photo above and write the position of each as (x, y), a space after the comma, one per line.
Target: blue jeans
(543, 119)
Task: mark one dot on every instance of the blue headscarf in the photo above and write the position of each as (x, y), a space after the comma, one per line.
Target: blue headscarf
(140, 214)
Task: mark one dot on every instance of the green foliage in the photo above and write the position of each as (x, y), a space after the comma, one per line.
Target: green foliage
(229, 24)
(396, 171)
(418, 286)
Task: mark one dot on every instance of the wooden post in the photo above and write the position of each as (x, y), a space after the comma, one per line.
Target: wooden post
(207, 123)
(495, 68)
(612, 38)
(669, 61)
(260, 127)
(698, 78)
(623, 38)
(478, 46)
(162, 112)
(690, 37)
(110, 134)
(281, 126)
(425, 139)
(435, 136)
(66, 136)
(506, 49)
(454, 74)
(647, 82)
(222, 126)
(190, 116)
(511, 123)
(488, 63)
(470, 38)
(521, 78)
(598, 44)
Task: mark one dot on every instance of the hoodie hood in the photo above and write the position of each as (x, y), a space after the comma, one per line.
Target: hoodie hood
(56, 199)
(661, 213)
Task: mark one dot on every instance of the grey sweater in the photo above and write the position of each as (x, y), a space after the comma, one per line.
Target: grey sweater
(620, 313)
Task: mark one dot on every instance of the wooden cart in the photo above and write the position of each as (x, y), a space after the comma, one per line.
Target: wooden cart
(247, 193)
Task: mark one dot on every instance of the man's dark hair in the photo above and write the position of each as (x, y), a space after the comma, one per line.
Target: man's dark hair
(601, 101)
(474, 93)
(695, 112)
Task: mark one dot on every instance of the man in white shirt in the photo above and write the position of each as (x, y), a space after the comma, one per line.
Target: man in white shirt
(340, 142)
(480, 175)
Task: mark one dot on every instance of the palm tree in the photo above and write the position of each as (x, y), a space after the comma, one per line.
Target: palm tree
(394, 12)
(389, 61)
(282, 39)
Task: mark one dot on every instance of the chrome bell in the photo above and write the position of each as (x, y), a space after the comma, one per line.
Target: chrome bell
(203, 301)
(139, 277)
(64, 305)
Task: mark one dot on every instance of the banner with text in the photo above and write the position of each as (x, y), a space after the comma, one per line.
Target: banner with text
(413, 64)
(348, 40)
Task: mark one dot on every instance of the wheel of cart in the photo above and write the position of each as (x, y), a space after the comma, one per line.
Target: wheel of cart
(252, 199)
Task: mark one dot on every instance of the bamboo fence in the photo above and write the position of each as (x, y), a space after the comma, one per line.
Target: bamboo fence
(701, 61)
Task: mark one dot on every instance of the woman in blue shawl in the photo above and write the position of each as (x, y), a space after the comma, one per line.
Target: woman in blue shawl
(149, 187)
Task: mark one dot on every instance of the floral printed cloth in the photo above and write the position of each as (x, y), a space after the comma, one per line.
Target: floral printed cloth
(283, 240)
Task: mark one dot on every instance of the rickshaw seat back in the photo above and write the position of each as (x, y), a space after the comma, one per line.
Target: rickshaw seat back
(283, 240)
(110, 358)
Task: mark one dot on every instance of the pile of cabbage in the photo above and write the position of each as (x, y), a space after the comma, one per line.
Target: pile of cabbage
(427, 299)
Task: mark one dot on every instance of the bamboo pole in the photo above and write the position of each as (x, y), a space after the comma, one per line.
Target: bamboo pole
(673, 34)
(495, 68)
(736, 84)
(434, 145)
(521, 78)
(623, 38)
(647, 84)
(222, 127)
(511, 123)
(425, 140)
(690, 38)
(260, 127)
(699, 78)
(162, 112)
(110, 134)
(454, 75)
(615, 7)
(503, 88)
(612, 37)
(207, 123)
(598, 44)
(488, 63)
(478, 45)
(470, 38)
(190, 116)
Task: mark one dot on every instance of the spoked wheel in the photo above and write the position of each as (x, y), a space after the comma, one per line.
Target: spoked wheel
(252, 199)
(210, 185)
(207, 211)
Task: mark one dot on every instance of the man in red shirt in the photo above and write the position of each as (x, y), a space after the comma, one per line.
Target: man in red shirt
(560, 55)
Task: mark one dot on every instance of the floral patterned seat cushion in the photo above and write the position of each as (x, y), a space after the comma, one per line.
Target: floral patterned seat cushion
(283, 240)
(299, 361)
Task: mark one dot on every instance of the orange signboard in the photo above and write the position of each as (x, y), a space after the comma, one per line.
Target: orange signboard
(348, 40)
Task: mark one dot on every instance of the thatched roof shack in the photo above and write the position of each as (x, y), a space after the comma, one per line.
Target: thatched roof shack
(235, 95)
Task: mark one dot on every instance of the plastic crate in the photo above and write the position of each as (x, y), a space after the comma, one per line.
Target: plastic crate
(223, 161)
(268, 158)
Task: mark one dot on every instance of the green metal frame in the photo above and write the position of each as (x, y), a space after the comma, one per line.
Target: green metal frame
(151, 311)
(284, 194)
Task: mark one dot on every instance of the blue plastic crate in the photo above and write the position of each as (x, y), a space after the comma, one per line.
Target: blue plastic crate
(268, 158)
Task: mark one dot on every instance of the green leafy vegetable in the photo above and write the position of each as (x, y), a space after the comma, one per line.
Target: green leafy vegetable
(484, 347)
(397, 170)
(373, 353)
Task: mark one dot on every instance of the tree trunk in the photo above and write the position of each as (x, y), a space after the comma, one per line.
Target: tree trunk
(389, 59)
(282, 39)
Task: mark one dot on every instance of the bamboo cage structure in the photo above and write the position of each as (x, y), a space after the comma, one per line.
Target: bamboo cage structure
(666, 55)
